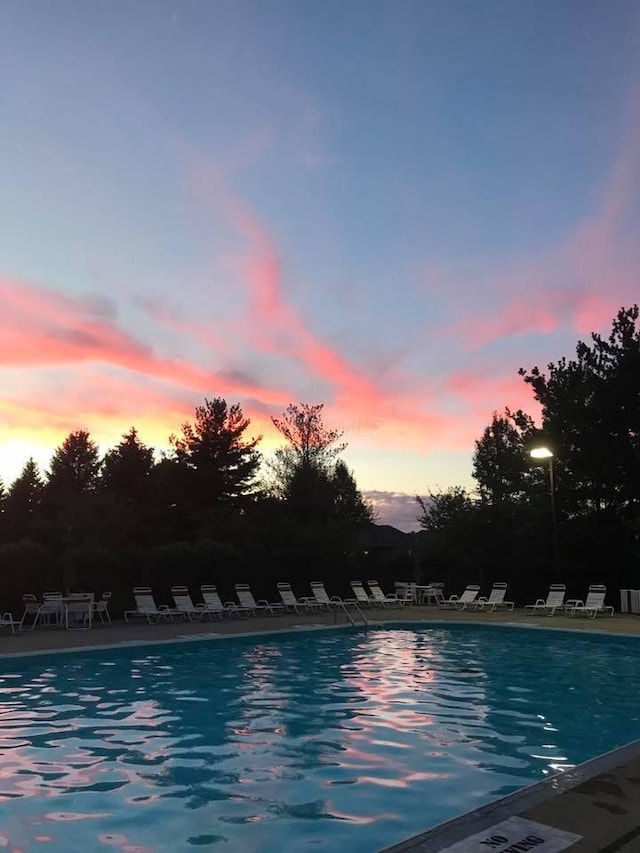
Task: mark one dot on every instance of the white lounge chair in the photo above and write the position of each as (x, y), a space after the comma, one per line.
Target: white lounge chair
(554, 601)
(361, 597)
(214, 606)
(593, 605)
(290, 602)
(146, 606)
(463, 601)
(246, 599)
(495, 601)
(322, 597)
(380, 598)
(185, 606)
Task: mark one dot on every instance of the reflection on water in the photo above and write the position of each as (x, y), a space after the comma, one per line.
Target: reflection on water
(337, 741)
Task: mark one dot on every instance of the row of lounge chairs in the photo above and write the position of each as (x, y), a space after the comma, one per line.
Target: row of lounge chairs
(555, 601)
(212, 605)
(247, 605)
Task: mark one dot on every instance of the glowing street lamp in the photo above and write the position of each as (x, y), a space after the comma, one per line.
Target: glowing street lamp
(543, 452)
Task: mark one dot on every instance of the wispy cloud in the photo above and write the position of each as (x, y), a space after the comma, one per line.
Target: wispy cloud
(41, 328)
(112, 377)
(577, 284)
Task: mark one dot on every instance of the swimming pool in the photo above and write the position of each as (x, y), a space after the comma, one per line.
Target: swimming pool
(330, 740)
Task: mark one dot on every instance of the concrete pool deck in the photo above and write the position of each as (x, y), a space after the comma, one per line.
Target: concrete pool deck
(119, 632)
(593, 808)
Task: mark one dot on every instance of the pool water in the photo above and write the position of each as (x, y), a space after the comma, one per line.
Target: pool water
(328, 740)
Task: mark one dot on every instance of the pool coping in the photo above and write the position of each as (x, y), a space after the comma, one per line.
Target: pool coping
(302, 628)
(526, 801)
(186, 638)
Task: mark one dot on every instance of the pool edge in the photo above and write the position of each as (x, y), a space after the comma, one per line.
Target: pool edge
(599, 821)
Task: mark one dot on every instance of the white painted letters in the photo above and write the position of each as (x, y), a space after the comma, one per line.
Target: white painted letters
(516, 835)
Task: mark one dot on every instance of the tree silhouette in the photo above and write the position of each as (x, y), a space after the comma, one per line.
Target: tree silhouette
(220, 464)
(349, 507)
(23, 501)
(127, 467)
(309, 441)
(304, 469)
(501, 466)
(74, 466)
(591, 411)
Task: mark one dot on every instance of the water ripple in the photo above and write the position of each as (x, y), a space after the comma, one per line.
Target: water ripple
(335, 741)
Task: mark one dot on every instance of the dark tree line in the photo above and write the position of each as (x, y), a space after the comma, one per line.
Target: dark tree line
(204, 511)
(590, 419)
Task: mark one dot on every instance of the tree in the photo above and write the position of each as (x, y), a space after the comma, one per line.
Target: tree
(591, 410)
(349, 507)
(221, 465)
(309, 441)
(304, 470)
(501, 466)
(23, 501)
(74, 466)
(126, 468)
(442, 511)
(70, 496)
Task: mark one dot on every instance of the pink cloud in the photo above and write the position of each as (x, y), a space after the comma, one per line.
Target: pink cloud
(42, 328)
(578, 284)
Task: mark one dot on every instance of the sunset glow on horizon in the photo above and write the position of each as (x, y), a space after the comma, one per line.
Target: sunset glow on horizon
(385, 207)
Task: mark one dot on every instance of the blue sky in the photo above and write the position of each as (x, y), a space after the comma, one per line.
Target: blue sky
(387, 207)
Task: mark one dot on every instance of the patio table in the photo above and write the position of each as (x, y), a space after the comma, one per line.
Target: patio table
(58, 606)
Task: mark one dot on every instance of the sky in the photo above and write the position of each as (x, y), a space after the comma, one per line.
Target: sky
(385, 206)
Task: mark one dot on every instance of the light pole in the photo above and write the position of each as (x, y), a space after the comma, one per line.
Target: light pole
(543, 452)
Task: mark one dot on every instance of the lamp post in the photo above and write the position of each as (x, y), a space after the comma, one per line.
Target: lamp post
(543, 452)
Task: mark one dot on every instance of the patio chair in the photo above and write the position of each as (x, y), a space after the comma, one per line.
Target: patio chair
(322, 597)
(380, 598)
(554, 601)
(593, 605)
(430, 593)
(495, 601)
(146, 606)
(248, 602)
(7, 621)
(463, 601)
(406, 591)
(31, 607)
(361, 597)
(77, 612)
(185, 606)
(290, 602)
(51, 607)
(101, 608)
